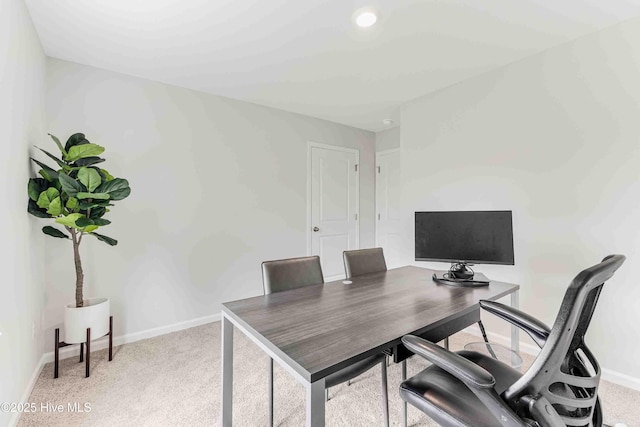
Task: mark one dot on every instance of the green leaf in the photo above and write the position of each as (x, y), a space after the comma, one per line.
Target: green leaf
(87, 222)
(48, 173)
(100, 196)
(98, 212)
(51, 231)
(35, 187)
(117, 188)
(107, 175)
(34, 210)
(75, 139)
(69, 185)
(69, 220)
(101, 222)
(90, 178)
(88, 161)
(106, 239)
(86, 204)
(123, 193)
(58, 143)
(46, 176)
(85, 150)
(60, 163)
(72, 203)
(78, 221)
(45, 198)
(55, 207)
(84, 222)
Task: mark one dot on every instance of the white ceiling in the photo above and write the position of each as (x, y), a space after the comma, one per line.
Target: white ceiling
(305, 56)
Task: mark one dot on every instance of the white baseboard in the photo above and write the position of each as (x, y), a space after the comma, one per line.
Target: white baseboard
(621, 379)
(531, 349)
(27, 392)
(101, 344)
(104, 343)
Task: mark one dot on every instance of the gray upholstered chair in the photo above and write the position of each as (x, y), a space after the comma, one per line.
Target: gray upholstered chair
(560, 388)
(292, 273)
(366, 261)
(363, 261)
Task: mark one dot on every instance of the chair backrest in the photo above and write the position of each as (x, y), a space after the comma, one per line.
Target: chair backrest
(284, 274)
(566, 372)
(363, 261)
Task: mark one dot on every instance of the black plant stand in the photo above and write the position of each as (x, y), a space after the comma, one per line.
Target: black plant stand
(59, 344)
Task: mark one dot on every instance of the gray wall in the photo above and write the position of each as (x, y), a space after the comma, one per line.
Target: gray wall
(388, 139)
(22, 70)
(217, 187)
(555, 138)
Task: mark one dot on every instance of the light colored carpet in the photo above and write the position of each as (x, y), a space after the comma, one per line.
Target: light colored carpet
(174, 380)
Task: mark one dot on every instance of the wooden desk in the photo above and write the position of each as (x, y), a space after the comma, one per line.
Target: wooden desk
(317, 330)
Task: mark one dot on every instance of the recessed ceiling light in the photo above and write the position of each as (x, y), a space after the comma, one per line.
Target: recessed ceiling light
(365, 18)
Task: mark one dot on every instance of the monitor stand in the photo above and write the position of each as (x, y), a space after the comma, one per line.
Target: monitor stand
(461, 270)
(460, 275)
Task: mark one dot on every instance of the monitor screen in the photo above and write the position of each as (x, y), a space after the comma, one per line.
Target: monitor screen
(482, 237)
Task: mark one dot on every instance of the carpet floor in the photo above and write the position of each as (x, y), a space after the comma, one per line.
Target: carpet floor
(174, 380)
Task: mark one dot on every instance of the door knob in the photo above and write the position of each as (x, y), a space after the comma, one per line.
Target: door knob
(316, 229)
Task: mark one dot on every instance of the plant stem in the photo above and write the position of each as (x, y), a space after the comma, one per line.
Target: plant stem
(78, 263)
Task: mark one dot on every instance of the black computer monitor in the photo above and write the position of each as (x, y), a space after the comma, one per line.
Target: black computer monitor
(464, 237)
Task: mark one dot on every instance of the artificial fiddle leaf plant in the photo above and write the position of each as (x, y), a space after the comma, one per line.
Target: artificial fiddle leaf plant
(77, 194)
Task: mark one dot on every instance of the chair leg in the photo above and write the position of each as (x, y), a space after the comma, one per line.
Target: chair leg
(349, 383)
(271, 392)
(87, 366)
(81, 352)
(56, 351)
(110, 338)
(486, 340)
(326, 394)
(385, 393)
(404, 402)
(446, 343)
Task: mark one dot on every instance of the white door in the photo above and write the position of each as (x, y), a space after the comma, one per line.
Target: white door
(388, 229)
(334, 206)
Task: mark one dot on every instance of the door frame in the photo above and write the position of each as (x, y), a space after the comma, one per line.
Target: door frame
(310, 146)
(378, 155)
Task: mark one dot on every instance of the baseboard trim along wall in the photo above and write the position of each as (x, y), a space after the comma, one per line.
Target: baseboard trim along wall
(27, 392)
(532, 349)
(135, 336)
(104, 343)
(528, 348)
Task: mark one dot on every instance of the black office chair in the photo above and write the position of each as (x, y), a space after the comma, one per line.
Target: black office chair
(292, 273)
(560, 388)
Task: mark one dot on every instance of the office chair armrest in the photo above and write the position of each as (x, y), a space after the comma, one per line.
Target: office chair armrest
(479, 381)
(465, 370)
(537, 330)
(542, 411)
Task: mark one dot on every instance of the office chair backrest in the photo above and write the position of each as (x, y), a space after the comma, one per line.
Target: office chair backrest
(565, 371)
(363, 261)
(292, 273)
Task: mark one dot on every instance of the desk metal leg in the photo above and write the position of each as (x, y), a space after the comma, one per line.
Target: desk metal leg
(227, 371)
(515, 339)
(315, 403)
(404, 402)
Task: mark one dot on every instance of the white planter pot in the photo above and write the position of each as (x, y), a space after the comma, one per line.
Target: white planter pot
(94, 315)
